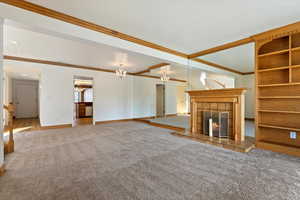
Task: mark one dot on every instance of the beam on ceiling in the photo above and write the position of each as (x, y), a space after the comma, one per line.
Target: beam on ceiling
(61, 64)
(248, 73)
(47, 62)
(221, 47)
(152, 67)
(217, 66)
(88, 25)
(277, 31)
(101, 29)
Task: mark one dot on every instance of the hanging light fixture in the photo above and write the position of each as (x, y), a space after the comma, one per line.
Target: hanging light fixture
(164, 74)
(121, 73)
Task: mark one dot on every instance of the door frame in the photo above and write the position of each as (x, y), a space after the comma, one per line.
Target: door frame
(73, 96)
(35, 83)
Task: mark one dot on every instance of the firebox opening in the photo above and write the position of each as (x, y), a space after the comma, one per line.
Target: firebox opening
(216, 124)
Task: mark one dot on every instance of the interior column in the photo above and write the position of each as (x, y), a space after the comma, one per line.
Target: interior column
(1, 100)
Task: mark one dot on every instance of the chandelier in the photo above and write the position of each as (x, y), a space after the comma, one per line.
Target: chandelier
(121, 73)
(164, 76)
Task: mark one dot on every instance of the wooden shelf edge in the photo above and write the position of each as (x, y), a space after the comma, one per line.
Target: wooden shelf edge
(279, 111)
(279, 97)
(295, 49)
(279, 68)
(278, 127)
(273, 53)
(295, 66)
(294, 151)
(278, 84)
(273, 69)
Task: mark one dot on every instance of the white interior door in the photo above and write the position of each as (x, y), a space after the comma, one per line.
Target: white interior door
(26, 100)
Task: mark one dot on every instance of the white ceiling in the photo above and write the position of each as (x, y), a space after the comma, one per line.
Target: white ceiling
(18, 70)
(240, 58)
(23, 41)
(187, 26)
(30, 44)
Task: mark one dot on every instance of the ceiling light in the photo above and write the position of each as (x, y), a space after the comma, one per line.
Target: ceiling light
(121, 73)
(164, 76)
(164, 73)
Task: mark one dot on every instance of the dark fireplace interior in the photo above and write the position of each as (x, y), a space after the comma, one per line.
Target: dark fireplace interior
(218, 122)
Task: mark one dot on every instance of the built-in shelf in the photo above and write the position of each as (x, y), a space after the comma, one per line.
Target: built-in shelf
(279, 68)
(295, 66)
(278, 92)
(278, 84)
(293, 150)
(279, 127)
(279, 111)
(273, 69)
(296, 49)
(279, 97)
(274, 53)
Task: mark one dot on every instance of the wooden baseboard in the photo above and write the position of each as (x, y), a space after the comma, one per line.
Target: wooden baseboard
(294, 151)
(125, 120)
(144, 118)
(174, 128)
(113, 121)
(56, 126)
(9, 147)
(5, 127)
(250, 119)
(171, 115)
(2, 170)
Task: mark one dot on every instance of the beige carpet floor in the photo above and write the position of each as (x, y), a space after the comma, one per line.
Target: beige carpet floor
(132, 160)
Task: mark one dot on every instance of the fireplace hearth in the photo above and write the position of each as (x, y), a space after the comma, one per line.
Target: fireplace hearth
(216, 124)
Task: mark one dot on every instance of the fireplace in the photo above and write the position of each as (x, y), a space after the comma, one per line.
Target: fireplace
(216, 124)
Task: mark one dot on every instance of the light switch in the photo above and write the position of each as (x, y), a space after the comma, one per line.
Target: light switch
(293, 135)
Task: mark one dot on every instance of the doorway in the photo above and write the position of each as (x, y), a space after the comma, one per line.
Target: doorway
(160, 100)
(83, 100)
(26, 98)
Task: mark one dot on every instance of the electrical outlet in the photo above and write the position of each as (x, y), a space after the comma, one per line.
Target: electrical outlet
(293, 135)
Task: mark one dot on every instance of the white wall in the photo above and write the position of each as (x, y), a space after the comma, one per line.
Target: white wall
(194, 77)
(144, 99)
(1, 95)
(248, 81)
(114, 99)
(171, 99)
(182, 99)
(7, 92)
(144, 96)
(56, 89)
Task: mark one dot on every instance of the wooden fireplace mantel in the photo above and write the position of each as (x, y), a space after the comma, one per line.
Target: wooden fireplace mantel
(231, 100)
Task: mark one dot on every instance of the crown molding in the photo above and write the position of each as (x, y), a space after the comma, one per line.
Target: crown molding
(217, 66)
(89, 25)
(152, 67)
(221, 47)
(101, 29)
(61, 64)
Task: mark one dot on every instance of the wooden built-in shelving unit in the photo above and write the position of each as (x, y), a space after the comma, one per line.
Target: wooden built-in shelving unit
(278, 91)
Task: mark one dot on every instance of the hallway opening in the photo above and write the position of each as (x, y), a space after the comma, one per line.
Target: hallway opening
(83, 101)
